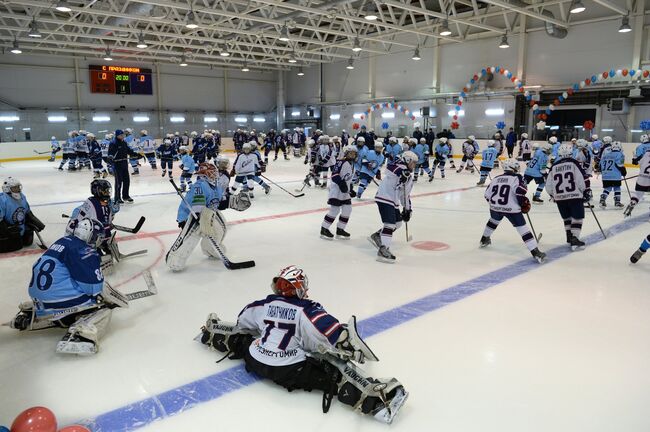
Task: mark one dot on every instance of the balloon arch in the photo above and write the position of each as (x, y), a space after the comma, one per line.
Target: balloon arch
(387, 105)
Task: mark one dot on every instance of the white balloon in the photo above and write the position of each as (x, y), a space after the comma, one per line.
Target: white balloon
(619, 72)
(535, 107)
(526, 93)
(460, 98)
(551, 107)
(506, 72)
(565, 95)
(492, 69)
(582, 84)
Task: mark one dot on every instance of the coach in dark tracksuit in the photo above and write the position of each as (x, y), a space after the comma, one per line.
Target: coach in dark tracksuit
(118, 153)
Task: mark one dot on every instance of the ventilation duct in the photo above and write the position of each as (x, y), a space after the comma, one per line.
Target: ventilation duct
(551, 29)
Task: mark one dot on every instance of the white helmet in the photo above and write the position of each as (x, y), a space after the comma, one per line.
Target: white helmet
(574, 140)
(645, 138)
(594, 137)
(607, 140)
(247, 146)
(546, 148)
(324, 139)
(581, 143)
(565, 151)
(413, 141)
(169, 135)
(144, 132)
(471, 138)
(182, 149)
(167, 141)
(511, 165)
(217, 132)
(12, 186)
(442, 139)
(535, 145)
(111, 135)
(344, 131)
(423, 140)
(128, 130)
(107, 136)
(86, 230)
(310, 143)
(379, 146)
(336, 139)
(552, 140)
(53, 137)
(223, 162)
(407, 157)
(392, 139)
(194, 133)
(361, 139)
(616, 146)
(490, 143)
(349, 149)
(90, 135)
(524, 135)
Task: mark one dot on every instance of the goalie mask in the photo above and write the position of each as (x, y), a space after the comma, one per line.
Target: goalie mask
(12, 187)
(102, 190)
(87, 230)
(291, 282)
(209, 171)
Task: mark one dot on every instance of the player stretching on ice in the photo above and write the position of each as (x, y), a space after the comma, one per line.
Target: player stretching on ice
(506, 196)
(17, 222)
(291, 340)
(205, 198)
(568, 184)
(394, 191)
(340, 195)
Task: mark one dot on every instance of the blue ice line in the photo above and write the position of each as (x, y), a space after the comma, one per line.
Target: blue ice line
(185, 397)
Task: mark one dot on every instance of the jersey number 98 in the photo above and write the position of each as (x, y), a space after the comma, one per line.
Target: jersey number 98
(44, 276)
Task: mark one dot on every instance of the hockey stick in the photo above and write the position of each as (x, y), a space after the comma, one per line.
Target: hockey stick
(41, 153)
(230, 265)
(280, 187)
(631, 177)
(133, 230)
(533, 229)
(406, 224)
(628, 188)
(42, 245)
(597, 221)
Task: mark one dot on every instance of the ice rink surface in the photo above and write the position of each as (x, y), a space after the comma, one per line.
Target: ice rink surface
(483, 339)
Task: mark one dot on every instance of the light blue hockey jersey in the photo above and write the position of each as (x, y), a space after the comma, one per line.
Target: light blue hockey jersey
(14, 211)
(641, 149)
(489, 156)
(361, 153)
(188, 164)
(610, 165)
(69, 145)
(372, 163)
(422, 151)
(67, 275)
(199, 195)
(393, 150)
(537, 166)
(442, 151)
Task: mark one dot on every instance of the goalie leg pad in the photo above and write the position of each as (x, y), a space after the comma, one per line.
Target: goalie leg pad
(83, 336)
(187, 240)
(225, 337)
(212, 224)
(351, 346)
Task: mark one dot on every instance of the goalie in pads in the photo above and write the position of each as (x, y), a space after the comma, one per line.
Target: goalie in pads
(293, 341)
(205, 196)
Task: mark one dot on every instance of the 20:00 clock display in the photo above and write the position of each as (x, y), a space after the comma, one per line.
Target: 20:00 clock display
(122, 80)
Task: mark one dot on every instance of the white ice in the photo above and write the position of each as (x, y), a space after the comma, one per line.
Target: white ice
(563, 347)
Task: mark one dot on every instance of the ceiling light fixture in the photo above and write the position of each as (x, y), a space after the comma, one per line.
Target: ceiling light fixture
(284, 35)
(350, 65)
(141, 42)
(292, 58)
(416, 53)
(16, 48)
(183, 61)
(356, 47)
(107, 55)
(504, 42)
(245, 68)
(444, 30)
(191, 20)
(33, 29)
(625, 25)
(62, 6)
(370, 14)
(577, 7)
(224, 52)
(300, 73)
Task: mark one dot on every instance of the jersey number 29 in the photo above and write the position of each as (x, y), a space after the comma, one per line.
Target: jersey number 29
(503, 191)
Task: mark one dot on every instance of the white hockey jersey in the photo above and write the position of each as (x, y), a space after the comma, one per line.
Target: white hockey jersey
(289, 328)
(395, 187)
(644, 171)
(342, 174)
(246, 164)
(526, 146)
(325, 156)
(506, 192)
(470, 149)
(566, 180)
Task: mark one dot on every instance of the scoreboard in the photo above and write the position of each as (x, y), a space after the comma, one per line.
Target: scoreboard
(121, 80)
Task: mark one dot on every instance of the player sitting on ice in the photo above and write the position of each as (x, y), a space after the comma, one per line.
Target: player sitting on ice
(67, 290)
(394, 192)
(17, 222)
(294, 342)
(244, 169)
(470, 150)
(568, 185)
(340, 195)
(641, 158)
(506, 196)
(371, 165)
(204, 196)
(489, 157)
(188, 166)
(612, 168)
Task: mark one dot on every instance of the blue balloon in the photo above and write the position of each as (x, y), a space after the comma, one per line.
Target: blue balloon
(483, 71)
(529, 97)
(4, 429)
(576, 87)
(548, 111)
(632, 72)
(561, 98)
(612, 73)
(497, 69)
(457, 108)
(472, 81)
(594, 78)
(509, 75)
(462, 94)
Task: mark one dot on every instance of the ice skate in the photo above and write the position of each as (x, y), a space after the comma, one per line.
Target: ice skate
(342, 234)
(538, 200)
(326, 234)
(375, 239)
(538, 255)
(628, 210)
(75, 344)
(384, 255)
(485, 241)
(636, 256)
(577, 244)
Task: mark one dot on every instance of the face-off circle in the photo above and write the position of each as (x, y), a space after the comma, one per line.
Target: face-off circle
(430, 246)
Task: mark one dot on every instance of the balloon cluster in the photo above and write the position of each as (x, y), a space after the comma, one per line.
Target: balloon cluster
(384, 125)
(645, 125)
(355, 126)
(543, 114)
(501, 125)
(541, 125)
(454, 125)
(390, 105)
(474, 81)
(39, 419)
(588, 125)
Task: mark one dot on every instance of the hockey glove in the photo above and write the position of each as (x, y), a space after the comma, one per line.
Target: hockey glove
(352, 193)
(525, 205)
(405, 176)
(181, 224)
(406, 215)
(239, 202)
(623, 170)
(34, 222)
(378, 176)
(587, 195)
(635, 161)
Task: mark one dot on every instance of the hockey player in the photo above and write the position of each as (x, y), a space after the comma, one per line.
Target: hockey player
(239, 138)
(148, 146)
(269, 143)
(499, 146)
(223, 179)
(489, 156)
(244, 169)
(310, 159)
(345, 138)
(450, 155)
(555, 146)
(441, 155)
(281, 142)
(69, 155)
(199, 149)
(177, 142)
(360, 143)
(645, 245)
(394, 192)
(104, 144)
(641, 158)
(421, 149)
(393, 149)
(135, 148)
(17, 222)
(612, 168)
(294, 342)
(506, 197)
(389, 134)
(95, 154)
(325, 160)
(188, 166)
(568, 185)
(81, 148)
(470, 150)
(261, 167)
(210, 146)
(55, 148)
(525, 148)
(583, 155)
(167, 154)
(205, 198)
(371, 165)
(537, 169)
(296, 142)
(340, 195)
(336, 147)
(604, 147)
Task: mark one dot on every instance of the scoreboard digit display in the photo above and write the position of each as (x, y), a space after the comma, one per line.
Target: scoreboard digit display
(121, 80)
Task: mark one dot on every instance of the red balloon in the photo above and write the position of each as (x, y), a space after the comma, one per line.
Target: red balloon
(460, 103)
(475, 77)
(502, 71)
(75, 428)
(455, 117)
(570, 91)
(556, 102)
(646, 73)
(543, 116)
(605, 74)
(35, 419)
(624, 72)
(521, 89)
(588, 81)
(465, 89)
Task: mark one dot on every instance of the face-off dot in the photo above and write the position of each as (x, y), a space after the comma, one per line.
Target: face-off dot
(430, 245)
